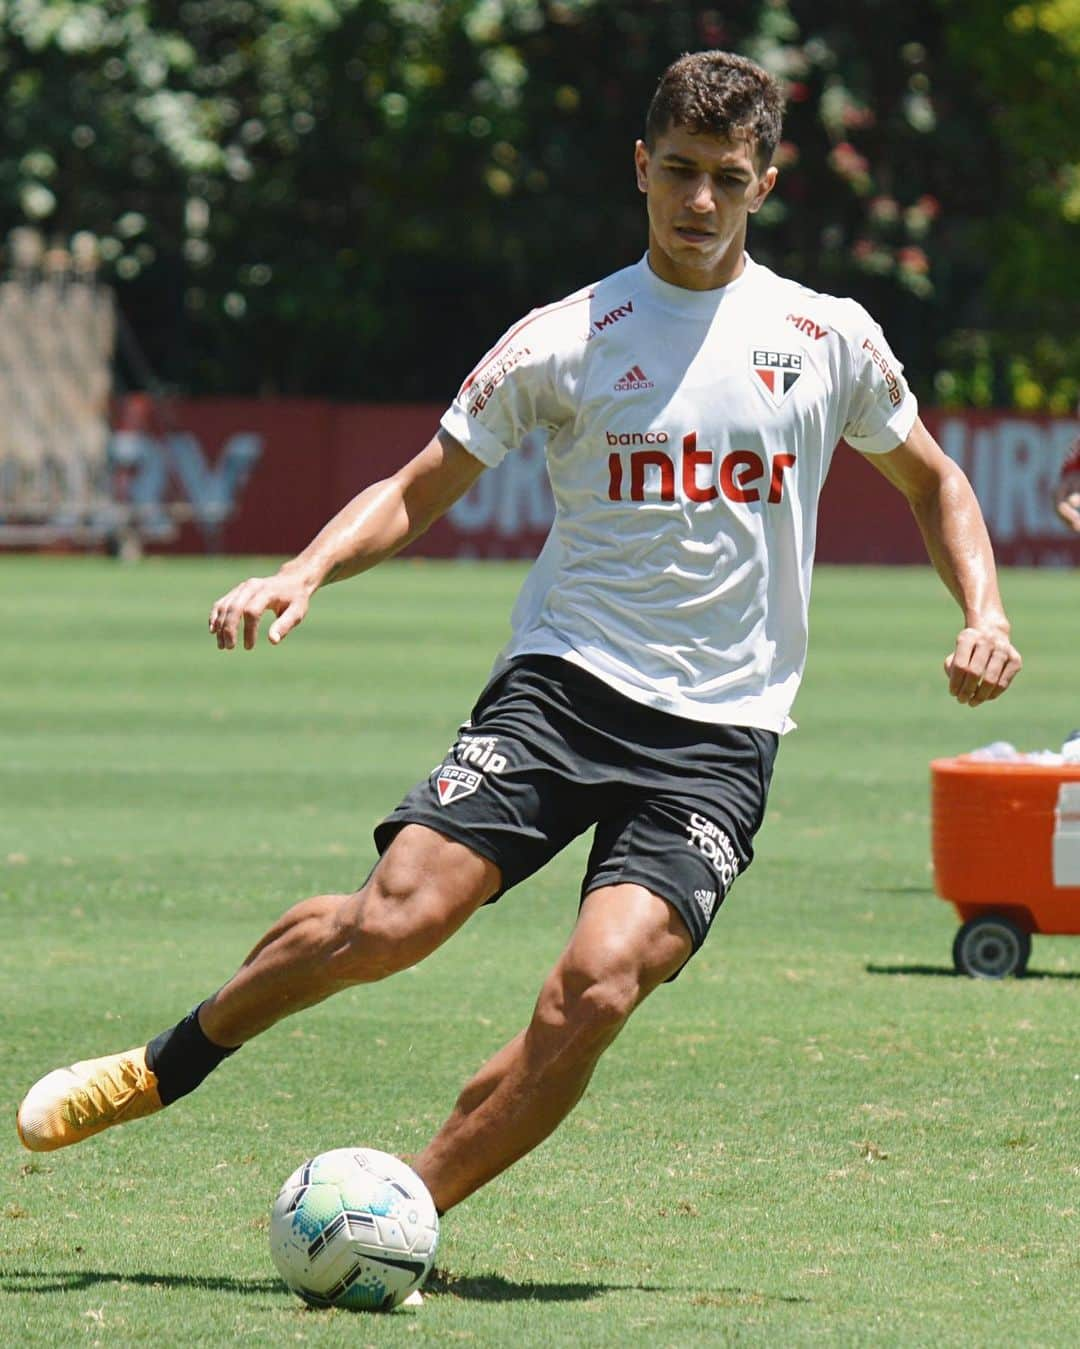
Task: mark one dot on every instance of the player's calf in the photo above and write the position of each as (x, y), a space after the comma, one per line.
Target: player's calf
(422, 891)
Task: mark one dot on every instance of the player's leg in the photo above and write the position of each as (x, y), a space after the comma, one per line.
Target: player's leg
(435, 870)
(423, 888)
(627, 941)
(679, 824)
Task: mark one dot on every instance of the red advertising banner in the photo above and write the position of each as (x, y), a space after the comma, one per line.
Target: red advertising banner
(262, 476)
(1014, 462)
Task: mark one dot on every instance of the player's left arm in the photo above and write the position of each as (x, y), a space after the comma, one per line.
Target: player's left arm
(1067, 495)
(984, 661)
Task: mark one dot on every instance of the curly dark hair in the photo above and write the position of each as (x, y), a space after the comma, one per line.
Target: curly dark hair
(718, 93)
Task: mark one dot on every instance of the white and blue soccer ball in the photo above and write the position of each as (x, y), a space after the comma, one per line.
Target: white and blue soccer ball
(354, 1228)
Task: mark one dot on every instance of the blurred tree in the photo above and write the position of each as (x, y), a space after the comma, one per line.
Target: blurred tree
(1024, 62)
(353, 197)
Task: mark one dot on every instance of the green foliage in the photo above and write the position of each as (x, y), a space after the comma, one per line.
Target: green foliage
(353, 197)
(817, 1135)
(1025, 61)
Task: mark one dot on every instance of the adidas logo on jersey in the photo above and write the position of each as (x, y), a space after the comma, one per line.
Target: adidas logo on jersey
(635, 378)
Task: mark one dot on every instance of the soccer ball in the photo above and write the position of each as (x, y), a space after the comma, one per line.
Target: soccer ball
(354, 1228)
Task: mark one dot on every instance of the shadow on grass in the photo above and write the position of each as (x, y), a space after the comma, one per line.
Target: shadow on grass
(471, 1288)
(898, 890)
(78, 1280)
(494, 1288)
(947, 972)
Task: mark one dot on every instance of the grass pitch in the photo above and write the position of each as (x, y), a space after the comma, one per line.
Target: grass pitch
(819, 1133)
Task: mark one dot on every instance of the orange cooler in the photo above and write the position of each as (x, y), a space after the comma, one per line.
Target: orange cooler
(1006, 848)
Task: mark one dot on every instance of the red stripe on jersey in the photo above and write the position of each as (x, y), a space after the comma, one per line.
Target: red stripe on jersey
(548, 309)
(1072, 464)
(614, 477)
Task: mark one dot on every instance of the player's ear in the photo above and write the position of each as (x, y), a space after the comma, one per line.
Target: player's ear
(641, 165)
(766, 183)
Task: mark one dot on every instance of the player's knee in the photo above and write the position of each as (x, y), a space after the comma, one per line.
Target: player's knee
(604, 1006)
(589, 1005)
(392, 923)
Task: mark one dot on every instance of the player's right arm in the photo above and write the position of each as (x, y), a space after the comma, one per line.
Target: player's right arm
(374, 525)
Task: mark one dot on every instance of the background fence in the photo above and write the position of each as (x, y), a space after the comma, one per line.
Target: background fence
(57, 338)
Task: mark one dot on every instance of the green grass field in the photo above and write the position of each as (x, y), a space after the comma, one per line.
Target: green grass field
(818, 1134)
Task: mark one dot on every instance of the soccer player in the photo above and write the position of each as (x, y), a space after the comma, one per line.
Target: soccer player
(692, 403)
(1067, 492)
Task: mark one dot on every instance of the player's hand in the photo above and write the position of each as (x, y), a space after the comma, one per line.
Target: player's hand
(1067, 500)
(982, 666)
(285, 596)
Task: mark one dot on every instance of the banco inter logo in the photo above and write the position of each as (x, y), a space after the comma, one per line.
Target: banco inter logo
(635, 378)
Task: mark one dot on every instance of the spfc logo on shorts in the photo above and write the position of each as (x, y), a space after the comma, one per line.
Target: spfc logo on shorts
(775, 372)
(452, 783)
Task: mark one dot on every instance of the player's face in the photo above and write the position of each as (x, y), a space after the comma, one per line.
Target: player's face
(700, 190)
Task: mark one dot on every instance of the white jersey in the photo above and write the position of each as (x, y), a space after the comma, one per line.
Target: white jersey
(689, 435)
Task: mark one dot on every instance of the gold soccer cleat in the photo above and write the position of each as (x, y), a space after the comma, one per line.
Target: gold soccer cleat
(74, 1103)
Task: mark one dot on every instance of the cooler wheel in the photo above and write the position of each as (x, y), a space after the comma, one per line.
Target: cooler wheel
(990, 947)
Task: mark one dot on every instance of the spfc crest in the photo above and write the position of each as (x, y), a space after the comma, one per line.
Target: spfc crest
(452, 783)
(775, 372)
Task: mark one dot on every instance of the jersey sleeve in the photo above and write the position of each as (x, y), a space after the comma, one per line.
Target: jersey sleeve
(521, 384)
(1072, 461)
(882, 409)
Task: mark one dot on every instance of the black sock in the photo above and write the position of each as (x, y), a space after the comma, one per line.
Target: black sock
(182, 1056)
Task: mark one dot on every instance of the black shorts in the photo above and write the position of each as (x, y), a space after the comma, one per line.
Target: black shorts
(550, 751)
